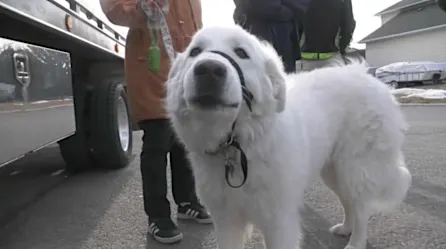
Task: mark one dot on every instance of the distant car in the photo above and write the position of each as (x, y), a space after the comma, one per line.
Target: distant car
(401, 74)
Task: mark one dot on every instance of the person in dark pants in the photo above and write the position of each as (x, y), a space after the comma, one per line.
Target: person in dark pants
(159, 141)
(276, 21)
(147, 64)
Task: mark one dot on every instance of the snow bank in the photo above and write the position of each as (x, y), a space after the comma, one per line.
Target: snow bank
(406, 93)
(401, 92)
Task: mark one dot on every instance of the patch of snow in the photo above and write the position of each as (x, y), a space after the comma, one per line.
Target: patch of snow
(39, 102)
(406, 91)
(429, 94)
(420, 93)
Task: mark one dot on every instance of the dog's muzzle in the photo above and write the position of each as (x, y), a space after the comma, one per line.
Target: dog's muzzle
(247, 95)
(210, 77)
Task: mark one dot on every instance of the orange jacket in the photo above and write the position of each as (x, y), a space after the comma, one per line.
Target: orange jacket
(146, 89)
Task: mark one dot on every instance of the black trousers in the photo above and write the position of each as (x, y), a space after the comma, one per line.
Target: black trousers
(158, 142)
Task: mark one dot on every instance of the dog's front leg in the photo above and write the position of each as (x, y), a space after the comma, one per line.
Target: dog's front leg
(230, 230)
(282, 231)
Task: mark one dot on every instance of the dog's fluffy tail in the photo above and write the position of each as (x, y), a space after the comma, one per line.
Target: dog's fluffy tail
(354, 56)
(358, 66)
(356, 59)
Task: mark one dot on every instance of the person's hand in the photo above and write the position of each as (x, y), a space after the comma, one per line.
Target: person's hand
(156, 3)
(155, 10)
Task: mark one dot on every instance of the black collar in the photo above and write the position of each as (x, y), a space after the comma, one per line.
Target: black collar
(231, 140)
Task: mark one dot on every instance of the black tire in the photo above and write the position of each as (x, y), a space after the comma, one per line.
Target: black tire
(394, 84)
(107, 149)
(74, 149)
(436, 79)
(75, 154)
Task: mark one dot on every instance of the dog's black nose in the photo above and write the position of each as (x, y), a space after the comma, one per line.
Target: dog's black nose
(210, 70)
(210, 78)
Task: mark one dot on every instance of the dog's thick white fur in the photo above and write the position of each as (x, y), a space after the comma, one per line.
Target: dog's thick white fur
(338, 123)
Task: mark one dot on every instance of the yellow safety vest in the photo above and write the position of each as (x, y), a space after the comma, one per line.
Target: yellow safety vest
(317, 56)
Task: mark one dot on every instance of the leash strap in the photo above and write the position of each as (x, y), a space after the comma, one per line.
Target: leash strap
(156, 14)
(229, 167)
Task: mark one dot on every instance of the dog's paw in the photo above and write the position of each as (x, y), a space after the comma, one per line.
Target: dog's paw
(341, 230)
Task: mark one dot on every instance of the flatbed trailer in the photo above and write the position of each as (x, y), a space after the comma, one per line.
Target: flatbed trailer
(62, 81)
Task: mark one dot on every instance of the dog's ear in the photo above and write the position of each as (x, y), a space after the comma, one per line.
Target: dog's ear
(277, 76)
(176, 65)
(173, 85)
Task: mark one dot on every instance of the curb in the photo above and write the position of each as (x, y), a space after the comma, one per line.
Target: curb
(421, 104)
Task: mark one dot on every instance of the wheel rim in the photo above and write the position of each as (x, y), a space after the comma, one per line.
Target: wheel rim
(123, 124)
(394, 84)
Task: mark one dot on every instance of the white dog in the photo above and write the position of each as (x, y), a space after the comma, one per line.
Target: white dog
(233, 107)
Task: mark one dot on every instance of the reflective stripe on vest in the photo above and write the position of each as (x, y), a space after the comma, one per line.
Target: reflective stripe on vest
(317, 56)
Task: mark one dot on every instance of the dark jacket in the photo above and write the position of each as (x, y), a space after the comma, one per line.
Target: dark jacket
(322, 23)
(274, 21)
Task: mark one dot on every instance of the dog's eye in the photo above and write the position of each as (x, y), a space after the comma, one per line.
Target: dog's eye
(195, 51)
(241, 53)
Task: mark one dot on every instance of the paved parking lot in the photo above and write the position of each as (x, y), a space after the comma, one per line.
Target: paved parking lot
(41, 207)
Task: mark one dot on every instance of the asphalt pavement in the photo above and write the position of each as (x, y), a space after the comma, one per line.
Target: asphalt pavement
(42, 207)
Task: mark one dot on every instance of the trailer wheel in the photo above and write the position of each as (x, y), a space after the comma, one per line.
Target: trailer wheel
(111, 137)
(74, 149)
(436, 79)
(394, 85)
(75, 154)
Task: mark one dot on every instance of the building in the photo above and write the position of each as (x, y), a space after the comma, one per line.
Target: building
(411, 30)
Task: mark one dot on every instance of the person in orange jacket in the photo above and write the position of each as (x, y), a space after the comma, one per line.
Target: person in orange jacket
(146, 91)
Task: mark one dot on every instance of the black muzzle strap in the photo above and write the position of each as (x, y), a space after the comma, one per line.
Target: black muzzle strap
(247, 95)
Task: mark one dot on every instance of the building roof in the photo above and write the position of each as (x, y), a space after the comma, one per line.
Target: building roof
(410, 21)
(400, 5)
(356, 52)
